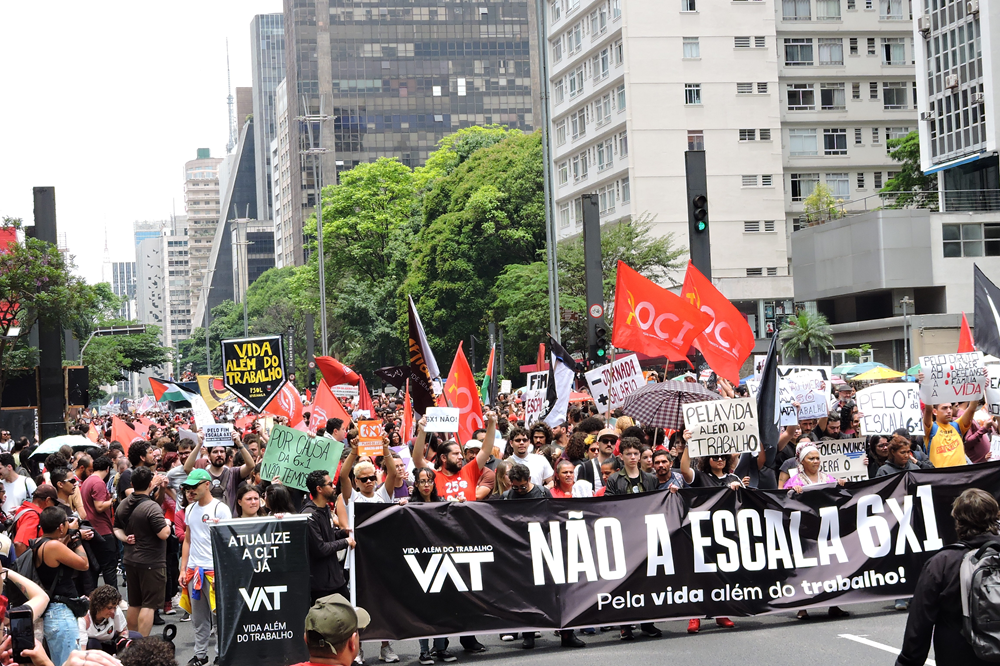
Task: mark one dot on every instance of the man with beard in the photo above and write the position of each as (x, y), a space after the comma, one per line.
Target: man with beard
(541, 470)
(454, 481)
(225, 480)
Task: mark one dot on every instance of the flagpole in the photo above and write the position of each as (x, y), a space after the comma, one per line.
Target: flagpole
(611, 383)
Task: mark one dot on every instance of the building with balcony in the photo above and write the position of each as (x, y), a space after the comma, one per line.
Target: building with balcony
(201, 205)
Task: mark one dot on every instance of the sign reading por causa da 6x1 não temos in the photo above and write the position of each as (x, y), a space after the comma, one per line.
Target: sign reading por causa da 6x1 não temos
(262, 589)
(587, 562)
(254, 369)
(292, 454)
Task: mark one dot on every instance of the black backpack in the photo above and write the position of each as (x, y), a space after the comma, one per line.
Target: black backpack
(24, 565)
(979, 578)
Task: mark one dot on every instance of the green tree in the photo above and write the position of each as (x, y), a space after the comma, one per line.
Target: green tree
(110, 359)
(455, 148)
(821, 205)
(911, 186)
(808, 333)
(485, 215)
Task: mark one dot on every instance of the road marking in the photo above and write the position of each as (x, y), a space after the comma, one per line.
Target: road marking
(879, 646)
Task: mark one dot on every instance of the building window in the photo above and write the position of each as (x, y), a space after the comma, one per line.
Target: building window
(623, 144)
(575, 83)
(894, 133)
(894, 51)
(827, 10)
(857, 136)
(564, 216)
(877, 178)
(692, 49)
(460, 84)
(604, 158)
(750, 181)
(891, 10)
(765, 134)
(557, 49)
(795, 10)
(760, 42)
(559, 91)
(835, 141)
(767, 180)
(855, 91)
(616, 9)
(578, 210)
(803, 185)
(971, 240)
(744, 88)
(606, 199)
(626, 194)
(831, 97)
(871, 46)
(688, 6)
(741, 42)
(755, 272)
(852, 44)
(801, 97)
(802, 142)
(555, 10)
(692, 93)
(563, 173)
(619, 53)
(861, 180)
(831, 51)
(894, 95)
(798, 52)
(578, 123)
(561, 132)
(751, 227)
(839, 184)
(873, 90)
(762, 88)
(748, 135)
(696, 140)
(875, 136)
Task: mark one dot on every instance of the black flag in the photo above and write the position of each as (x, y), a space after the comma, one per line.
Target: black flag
(562, 372)
(422, 362)
(768, 417)
(420, 390)
(987, 299)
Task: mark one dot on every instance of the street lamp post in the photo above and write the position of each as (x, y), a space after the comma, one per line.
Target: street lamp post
(906, 331)
(243, 258)
(205, 288)
(317, 166)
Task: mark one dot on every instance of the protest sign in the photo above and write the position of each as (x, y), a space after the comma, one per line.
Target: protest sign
(758, 364)
(255, 369)
(824, 371)
(721, 427)
(698, 552)
(993, 391)
(260, 564)
(348, 391)
(440, 419)
(370, 434)
(220, 434)
(183, 433)
(504, 386)
(842, 458)
(953, 378)
(202, 414)
(292, 454)
(885, 408)
(788, 415)
(538, 380)
(613, 382)
(535, 398)
(810, 390)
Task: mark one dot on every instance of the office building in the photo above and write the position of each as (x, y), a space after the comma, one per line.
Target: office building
(148, 229)
(175, 247)
(151, 285)
(123, 285)
(281, 175)
(395, 78)
(267, 58)
(201, 205)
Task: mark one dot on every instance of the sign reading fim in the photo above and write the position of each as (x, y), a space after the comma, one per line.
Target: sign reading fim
(255, 369)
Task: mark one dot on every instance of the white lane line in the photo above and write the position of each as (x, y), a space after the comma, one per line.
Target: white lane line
(879, 646)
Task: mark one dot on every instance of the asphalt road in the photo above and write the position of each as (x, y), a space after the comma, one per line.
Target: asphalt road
(871, 635)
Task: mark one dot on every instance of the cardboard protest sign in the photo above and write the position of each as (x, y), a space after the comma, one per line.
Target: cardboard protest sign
(292, 454)
(810, 390)
(993, 392)
(788, 415)
(953, 378)
(440, 419)
(504, 386)
(885, 408)
(255, 369)
(370, 434)
(202, 414)
(722, 427)
(824, 371)
(610, 384)
(842, 458)
(535, 398)
(348, 391)
(219, 434)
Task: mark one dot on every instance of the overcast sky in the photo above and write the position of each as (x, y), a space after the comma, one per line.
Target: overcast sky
(106, 101)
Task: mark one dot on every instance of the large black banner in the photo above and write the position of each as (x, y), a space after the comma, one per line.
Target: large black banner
(546, 564)
(262, 589)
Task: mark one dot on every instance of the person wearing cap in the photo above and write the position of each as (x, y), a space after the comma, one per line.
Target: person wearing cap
(197, 574)
(26, 516)
(541, 469)
(479, 435)
(488, 479)
(590, 470)
(332, 626)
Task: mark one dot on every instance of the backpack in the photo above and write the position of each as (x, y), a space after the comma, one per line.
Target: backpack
(12, 527)
(979, 579)
(24, 565)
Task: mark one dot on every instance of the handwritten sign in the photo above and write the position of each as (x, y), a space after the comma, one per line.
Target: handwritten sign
(610, 384)
(825, 371)
(722, 427)
(370, 435)
(993, 393)
(344, 391)
(810, 390)
(441, 419)
(255, 369)
(885, 408)
(789, 415)
(843, 458)
(505, 386)
(953, 378)
(292, 454)
(220, 434)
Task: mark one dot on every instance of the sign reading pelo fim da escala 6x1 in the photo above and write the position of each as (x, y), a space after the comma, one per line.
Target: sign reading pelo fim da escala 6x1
(604, 561)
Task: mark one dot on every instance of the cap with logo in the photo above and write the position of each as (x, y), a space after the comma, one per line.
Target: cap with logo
(195, 477)
(333, 618)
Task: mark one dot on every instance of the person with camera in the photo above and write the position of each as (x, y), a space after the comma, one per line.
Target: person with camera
(26, 517)
(141, 526)
(58, 554)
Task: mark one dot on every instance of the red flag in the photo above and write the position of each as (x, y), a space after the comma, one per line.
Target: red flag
(365, 398)
(651, 319)
(141, 428)
(335, 372)
(92, 433)
(728, 340)
(462, 392)
(965, 343)
(326, 407)
(287, 403)
(244, 422)
(122, 433)
(407, 415)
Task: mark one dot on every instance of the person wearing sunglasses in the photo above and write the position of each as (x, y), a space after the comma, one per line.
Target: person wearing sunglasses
(590, 470)
(541, 468)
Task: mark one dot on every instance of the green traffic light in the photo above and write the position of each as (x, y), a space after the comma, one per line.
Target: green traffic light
(601, 352)
(701, 225)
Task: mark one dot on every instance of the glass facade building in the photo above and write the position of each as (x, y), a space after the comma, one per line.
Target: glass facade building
(267, 36)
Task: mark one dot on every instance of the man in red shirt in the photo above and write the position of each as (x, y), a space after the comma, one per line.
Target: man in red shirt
(26, 516)
(97, 503)
(455, 481)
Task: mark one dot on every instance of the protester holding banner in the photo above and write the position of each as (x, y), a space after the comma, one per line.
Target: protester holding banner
(712, 471)
(224, 480)
(566, 486)
(248, 501)
(457, 482)
(541, 468)
(590, 470)
(878, 454)
(326, 573)
(630, 479)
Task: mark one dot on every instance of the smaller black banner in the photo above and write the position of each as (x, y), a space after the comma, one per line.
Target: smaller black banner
(254, 369)
(260, 599)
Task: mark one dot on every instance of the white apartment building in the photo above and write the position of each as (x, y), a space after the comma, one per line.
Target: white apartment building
(635, 83)
(281, 181)
(847, 86)
(201, 204)
(178, 280)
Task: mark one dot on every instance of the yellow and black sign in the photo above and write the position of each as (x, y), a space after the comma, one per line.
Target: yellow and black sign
(254, 369)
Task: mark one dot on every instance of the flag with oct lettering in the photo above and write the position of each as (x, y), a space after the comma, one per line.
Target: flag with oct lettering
(326, 407)
(653, 320)
(728, 341)
(461, 391)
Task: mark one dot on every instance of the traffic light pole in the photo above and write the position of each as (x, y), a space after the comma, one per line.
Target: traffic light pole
(597, 330)
(699, 237)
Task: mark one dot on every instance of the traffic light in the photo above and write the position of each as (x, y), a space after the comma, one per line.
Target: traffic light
(312, 379)
(700, 213)
(601, 345)
(699, 242)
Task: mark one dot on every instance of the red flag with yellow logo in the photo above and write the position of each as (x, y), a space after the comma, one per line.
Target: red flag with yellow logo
(728, 341)
(651, 319)
(462, 392)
